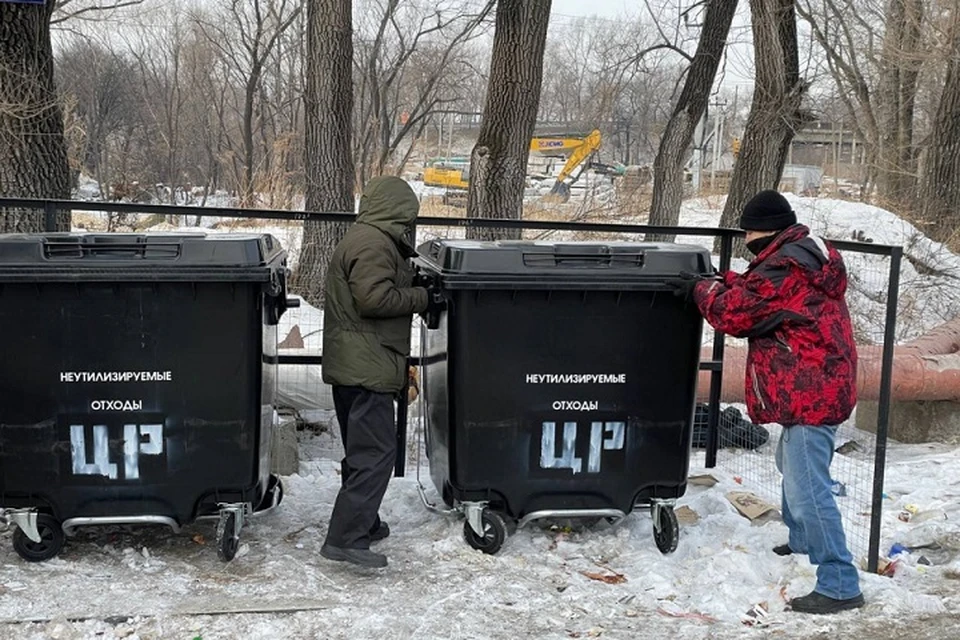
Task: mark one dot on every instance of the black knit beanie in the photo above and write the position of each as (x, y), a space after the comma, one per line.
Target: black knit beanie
(767, 211)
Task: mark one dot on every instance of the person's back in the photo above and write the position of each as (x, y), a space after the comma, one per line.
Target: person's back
(369, 299)
(789, 303)
(369, 305)
(801, 372)
(820, 337)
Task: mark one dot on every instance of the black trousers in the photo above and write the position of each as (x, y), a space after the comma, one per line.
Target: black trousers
(369, 435)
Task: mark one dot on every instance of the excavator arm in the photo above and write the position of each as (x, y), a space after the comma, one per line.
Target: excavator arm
(579, 148)
(590, 145)
(576, 148)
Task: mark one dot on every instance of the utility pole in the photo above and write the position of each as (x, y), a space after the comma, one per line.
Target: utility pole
(698, 147)
(717, 132)
(440, 135)
(450, 136)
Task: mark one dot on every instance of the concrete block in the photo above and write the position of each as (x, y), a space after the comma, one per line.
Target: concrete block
(917, 421)
(286, 448)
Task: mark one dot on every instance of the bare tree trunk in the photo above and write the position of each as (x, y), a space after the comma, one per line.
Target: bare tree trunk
(668, 165)
(940, 187)
(499, 159)
(853, 62)
(888, 98)
(908, 92)
(33, 150)
(329, 164)
(249, 101)
(897, 92)
(775, 115)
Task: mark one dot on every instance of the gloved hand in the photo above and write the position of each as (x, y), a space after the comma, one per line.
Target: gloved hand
(424, 279)
(436, 304)
(684, 285)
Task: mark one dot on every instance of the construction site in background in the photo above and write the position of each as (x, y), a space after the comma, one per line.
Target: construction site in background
(577, 152)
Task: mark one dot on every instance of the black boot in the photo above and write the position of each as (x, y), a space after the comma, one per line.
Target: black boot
(360, 557)
(815, 602)
(379, 532)
(782, 550)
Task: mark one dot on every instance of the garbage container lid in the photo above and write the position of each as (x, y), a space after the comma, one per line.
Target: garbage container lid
(133, 256)
(469, 264)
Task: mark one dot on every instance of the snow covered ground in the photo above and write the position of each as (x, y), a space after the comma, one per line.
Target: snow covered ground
(564, 582)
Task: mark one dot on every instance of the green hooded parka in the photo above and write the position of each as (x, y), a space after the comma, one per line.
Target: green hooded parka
(369, 301)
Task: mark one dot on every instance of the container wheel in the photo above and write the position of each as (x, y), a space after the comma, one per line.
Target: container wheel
(494, 533)
(51, 540)
(669, 534)
(227, 539)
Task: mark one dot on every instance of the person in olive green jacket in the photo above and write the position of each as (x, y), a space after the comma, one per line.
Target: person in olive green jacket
(369, 306)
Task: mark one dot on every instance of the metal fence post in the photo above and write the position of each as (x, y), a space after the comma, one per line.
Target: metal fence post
(400, 467)
(883, 408)
(50, 216)
(716, 374)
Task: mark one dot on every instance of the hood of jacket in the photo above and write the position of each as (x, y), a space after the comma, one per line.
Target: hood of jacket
(821, 263)
(389, 204)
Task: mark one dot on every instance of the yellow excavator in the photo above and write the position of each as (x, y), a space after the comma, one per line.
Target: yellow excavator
(447, 175)
(575, 148)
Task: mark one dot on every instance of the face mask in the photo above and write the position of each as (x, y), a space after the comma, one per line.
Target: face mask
(757, 245)
(408, 239)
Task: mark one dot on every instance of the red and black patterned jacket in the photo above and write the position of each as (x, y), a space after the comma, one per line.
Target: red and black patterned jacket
(802, 358)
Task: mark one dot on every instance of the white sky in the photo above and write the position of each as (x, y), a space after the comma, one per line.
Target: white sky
(738, 68)
(610, 8)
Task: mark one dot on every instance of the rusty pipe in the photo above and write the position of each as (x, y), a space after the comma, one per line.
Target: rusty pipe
(917, 375)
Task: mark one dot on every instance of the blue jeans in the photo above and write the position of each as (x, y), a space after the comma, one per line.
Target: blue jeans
(810, 509)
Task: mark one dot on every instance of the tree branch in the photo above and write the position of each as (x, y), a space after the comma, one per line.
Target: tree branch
(78, 13)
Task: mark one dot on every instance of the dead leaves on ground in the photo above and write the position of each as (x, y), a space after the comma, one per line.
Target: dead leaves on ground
(610, 578)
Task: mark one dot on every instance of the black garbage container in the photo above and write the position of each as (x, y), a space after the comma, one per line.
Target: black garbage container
(137, 382)
(560, 382)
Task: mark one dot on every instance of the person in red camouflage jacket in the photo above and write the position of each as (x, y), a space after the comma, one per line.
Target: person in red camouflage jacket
(802, 360)
(801, 373)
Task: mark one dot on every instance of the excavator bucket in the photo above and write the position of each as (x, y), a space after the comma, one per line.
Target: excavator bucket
(559, 193)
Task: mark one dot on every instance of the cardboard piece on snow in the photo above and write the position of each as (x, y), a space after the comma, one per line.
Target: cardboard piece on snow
(703, 479)
(686, 515)
(294, 339)
(750, 505)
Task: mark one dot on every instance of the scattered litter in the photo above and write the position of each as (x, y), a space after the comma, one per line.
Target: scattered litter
(907, 513)
(609, 578)
(885, 567)
(703, 480)
(838, 489)
(686, 515)
(673, 611)
(750, 505)
(848, 447)
(757, 616)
